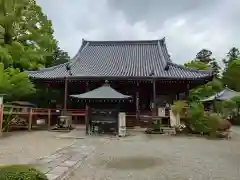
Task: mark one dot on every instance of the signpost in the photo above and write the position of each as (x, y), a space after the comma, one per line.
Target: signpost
(122, 124)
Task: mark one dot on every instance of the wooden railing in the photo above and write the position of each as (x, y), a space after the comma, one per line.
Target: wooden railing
(78, 112)
(9, 109)
(30, 114)
(44, 111)
(21, 110)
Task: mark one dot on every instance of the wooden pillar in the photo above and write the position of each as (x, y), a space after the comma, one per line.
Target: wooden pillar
(137, 103)
(75, 119)
(49, 119)
(30, 119)
(87, 111)
(65, 95)
(177, 96)
(187, 91)
(154, 108)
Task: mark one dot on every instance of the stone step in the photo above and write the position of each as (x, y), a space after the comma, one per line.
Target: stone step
(168, 130)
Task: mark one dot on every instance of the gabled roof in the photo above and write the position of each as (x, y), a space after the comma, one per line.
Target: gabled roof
(225, 94)
(118, 59)
(103, 92)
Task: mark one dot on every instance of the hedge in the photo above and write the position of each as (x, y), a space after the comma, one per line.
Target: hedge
(20, 172)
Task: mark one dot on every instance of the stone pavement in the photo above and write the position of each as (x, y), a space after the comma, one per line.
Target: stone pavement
(60, 164)
(236, 129)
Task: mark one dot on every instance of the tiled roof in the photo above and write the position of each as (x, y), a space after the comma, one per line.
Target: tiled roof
(225, 94)
(103, 92)
(118, 59)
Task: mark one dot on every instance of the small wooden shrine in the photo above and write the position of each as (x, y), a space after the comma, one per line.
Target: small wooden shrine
(104, 106)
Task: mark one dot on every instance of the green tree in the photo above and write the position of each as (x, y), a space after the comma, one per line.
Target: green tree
(215, 67)
(204, 56)
(206, 90)
(228, 107)
(232, 68)
(26, 34)
(58, 57)
(231, 75)
(236, 99)
(204, 61)
(196, 64)
(196, 121)
(178, 107)
(233, 54)
(14, 83)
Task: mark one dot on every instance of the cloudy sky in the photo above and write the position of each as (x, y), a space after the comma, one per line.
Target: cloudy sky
(188, 25)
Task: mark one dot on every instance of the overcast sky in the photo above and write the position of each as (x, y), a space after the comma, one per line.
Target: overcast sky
(188, 25)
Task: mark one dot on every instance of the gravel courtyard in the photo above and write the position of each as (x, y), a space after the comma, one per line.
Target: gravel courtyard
(137, 157)
(157, 157)
(24, 147)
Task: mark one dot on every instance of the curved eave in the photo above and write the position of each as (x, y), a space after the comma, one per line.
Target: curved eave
(123, 78)
(159, 61)
(175, 72)
(182, 71)
(58, 71)
(101, 97)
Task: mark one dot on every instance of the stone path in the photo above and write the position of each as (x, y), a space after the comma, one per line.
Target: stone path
(236, 129)
(64, 161)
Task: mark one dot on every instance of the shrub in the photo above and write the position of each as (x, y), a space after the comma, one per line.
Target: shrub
(203, 122)
(225, 125)
(235, 120)
(178, 107)
(212, 121)
(196, 118)
(20, 172)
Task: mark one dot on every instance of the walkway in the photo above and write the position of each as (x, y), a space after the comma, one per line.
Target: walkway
(64, 161)
(156, 157)
(23, 147)
(236, 129)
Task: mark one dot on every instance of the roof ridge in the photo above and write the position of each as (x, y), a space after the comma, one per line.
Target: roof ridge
(161, 53)
(165, 50)
(125, 41)
(72, 61)
(81, 49)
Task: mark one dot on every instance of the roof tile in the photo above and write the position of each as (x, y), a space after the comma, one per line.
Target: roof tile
(122, 59)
